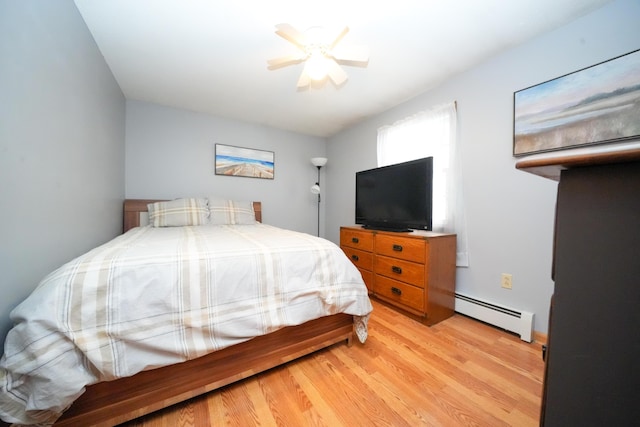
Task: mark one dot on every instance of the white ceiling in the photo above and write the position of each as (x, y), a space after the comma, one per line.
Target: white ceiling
(211, 56)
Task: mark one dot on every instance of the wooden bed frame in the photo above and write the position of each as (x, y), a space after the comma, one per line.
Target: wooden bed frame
(114, 402)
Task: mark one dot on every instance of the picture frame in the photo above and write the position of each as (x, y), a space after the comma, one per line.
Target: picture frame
(247, 162)
(595, 105)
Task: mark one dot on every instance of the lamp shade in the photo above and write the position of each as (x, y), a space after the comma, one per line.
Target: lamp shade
(319, 161)
(315, 189)
(316, 66)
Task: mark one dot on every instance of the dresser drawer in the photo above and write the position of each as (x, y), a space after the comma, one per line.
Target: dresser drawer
(401, 247)
(362, 240)
(405, 271)
(360, 259)
(400, 292)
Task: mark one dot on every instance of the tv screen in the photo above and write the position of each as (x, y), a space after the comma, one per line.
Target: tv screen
(396, 197)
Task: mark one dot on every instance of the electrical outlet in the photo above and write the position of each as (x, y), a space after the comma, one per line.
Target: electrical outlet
(506, 281)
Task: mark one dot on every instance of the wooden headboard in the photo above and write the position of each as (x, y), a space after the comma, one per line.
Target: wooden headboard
(133, 208)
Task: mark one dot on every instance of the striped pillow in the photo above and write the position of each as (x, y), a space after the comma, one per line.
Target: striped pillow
(223, 212)
(178, 213)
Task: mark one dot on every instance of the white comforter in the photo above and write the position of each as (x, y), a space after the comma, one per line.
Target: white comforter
(158, 296)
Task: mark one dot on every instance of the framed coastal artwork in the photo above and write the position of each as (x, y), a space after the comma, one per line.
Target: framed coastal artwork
(596, 105)
(247, 162)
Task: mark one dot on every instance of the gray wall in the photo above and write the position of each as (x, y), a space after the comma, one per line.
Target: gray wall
(510, 214)
(170, 153)
(61, 145)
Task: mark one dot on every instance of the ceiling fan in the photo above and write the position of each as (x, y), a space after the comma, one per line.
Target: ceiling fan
(322, 57)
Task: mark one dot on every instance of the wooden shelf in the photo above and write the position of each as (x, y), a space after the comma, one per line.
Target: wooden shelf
(550, 165)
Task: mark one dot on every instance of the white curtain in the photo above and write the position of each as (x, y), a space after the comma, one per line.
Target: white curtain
(432, 133)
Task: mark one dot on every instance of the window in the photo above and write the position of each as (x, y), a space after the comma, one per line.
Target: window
(432, 133)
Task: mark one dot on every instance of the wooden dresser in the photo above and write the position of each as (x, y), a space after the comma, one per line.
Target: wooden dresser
(415, 271)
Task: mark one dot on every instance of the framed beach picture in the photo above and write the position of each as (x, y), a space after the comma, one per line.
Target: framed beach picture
(596, 105)
(238, 161)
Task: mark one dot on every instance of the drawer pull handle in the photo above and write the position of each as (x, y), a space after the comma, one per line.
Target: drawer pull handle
(397, 248)
(355, 240)
(396, 269)
(396, 291)
(355, 257)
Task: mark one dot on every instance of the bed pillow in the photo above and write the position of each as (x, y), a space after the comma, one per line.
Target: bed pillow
(178, 213)
(224, 212)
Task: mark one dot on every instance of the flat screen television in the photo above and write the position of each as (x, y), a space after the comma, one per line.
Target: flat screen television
(396, 197)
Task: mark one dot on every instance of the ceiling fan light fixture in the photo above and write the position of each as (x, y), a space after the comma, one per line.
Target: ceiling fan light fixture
(321, 58)
(316, 66)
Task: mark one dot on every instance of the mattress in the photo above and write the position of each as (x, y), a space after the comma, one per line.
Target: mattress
(156, 296)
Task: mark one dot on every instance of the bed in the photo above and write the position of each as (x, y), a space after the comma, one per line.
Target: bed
(154, 379)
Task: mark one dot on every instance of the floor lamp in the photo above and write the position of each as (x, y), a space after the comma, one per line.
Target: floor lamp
(318, 162)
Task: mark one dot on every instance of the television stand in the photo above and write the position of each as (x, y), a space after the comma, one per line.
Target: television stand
(383, 228)
(414, 272)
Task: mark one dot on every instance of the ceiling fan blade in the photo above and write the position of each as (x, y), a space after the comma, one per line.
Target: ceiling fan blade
(351, 55)
(339, 37)
(283, 61)
(336, 73)
(289, 33)
(304, 80)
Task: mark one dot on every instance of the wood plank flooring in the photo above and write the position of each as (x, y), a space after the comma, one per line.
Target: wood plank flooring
(459, 372)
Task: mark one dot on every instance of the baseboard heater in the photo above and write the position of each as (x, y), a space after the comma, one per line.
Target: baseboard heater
(519, 322)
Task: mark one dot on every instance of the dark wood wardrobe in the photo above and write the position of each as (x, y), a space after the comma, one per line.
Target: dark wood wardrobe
(592, 373)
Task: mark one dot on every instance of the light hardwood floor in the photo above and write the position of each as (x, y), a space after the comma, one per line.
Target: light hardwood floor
(459, 372)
